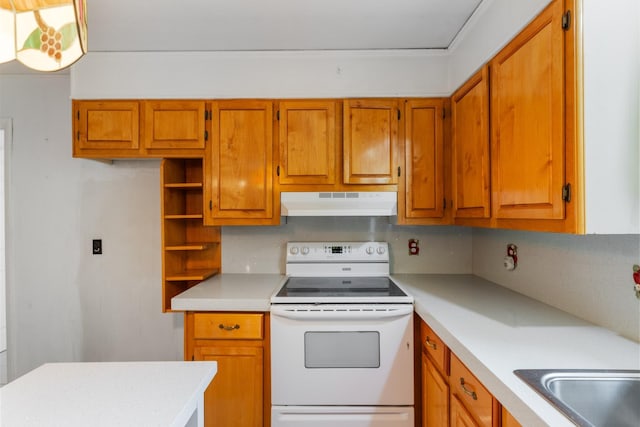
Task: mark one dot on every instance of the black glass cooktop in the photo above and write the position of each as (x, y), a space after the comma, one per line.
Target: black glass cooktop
(340, 287)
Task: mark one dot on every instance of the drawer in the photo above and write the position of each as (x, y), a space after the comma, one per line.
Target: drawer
(466, 387)
(239, 326)
(435, 348)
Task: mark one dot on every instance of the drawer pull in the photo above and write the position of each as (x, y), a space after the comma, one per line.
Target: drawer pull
(430, 344)
(229, 328)
(468, 392)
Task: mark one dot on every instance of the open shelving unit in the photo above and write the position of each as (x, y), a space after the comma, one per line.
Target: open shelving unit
(190, 250)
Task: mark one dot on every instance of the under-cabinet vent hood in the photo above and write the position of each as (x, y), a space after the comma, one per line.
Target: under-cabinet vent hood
(381, 203)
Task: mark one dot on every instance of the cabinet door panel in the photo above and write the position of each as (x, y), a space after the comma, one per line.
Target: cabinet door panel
(435, 396)
(107, 125)
(527, 95)
(307, 142)
(174, 124)
(240, 158)
(424, 159)
(459, 415)
(470, 123)
(370, 141)
(234, 397)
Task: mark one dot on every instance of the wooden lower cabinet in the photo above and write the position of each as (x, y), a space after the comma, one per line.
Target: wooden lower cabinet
(435, 395)
(460, 417)
(239, 395)
(508, 420)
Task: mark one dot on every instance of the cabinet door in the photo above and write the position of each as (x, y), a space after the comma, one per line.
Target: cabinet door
(527, 121)
(308, 142)
(370, 141)
(435, 396)
(470, 130)
(238, 163)
(110, 127)
(459, 415)
(234, 397)
(508, 420)
(424, 159)
(174, 125)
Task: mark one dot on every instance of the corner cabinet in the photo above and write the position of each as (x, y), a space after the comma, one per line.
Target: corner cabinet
(533, 141)
(471, 175)
(239, 395)
(421, 189)
(190, 251)
(370, 141)
(239, 165)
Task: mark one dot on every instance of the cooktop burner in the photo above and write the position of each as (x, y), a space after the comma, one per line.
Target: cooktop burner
(313, 287)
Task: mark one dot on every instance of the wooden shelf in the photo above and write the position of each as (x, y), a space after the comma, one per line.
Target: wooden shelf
(190, 275)
(184, 185)
(191, 246)
(184, 216)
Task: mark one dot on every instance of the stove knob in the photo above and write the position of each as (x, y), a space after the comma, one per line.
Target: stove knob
(381, 250)
(293, 250)
(305, 250)
(370, 250)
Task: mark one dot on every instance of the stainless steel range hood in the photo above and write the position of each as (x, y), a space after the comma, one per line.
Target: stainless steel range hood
(380, 203)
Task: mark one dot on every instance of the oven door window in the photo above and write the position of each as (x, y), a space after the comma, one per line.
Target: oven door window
(345, 349)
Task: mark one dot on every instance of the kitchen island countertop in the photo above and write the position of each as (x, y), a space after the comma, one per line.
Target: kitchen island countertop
(494, 331)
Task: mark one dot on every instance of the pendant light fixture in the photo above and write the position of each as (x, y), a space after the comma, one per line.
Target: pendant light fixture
(45, 35)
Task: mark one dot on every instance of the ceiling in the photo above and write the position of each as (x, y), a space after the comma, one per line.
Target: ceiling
(223, 25)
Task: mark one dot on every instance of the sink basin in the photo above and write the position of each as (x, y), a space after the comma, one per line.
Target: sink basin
(589, 397)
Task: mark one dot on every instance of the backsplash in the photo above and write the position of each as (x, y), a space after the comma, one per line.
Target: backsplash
(261, 249)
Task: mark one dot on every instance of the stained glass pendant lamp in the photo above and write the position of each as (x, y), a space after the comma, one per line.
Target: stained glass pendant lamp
(46, 35)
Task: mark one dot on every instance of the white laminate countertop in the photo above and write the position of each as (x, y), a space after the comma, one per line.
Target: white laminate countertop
(140, 394)
(230, 292)
(494, 331)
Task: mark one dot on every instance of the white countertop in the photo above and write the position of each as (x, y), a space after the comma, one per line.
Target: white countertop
(230, 292)
(494, 331)
(140, 394)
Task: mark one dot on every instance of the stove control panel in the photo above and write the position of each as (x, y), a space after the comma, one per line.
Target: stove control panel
(337, 252)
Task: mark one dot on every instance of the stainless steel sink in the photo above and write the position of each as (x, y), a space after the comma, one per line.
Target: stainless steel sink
(589, 397)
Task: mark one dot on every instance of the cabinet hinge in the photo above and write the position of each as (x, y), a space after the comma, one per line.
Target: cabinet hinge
(398, 114)
(206, 135)
(78, 135)
(278, 170)
(210, 205)
(206, 115)
(444, 203)
(566, 193)
(78, 114)
(193, 357)
(444, 113)
(278, 115)
(398, 170)
(566, 20)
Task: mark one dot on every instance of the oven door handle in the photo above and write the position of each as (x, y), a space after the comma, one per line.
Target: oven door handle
(341, 314)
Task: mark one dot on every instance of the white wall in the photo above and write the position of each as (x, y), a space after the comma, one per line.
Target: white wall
(65, 304)
(589, 276)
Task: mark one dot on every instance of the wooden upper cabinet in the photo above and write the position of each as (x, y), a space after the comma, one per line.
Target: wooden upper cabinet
(108, 128)
(423, 159)
(470, 148)
(239, 164)
(528, 121)
(308, 142)
(370, 141)
(174, 125)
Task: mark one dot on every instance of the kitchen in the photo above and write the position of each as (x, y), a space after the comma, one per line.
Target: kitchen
(74, 306)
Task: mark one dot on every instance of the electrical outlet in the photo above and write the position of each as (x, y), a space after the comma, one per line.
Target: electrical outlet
(414, 249)
(97, 246)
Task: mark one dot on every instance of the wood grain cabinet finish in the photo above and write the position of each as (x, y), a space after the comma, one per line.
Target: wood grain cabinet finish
(460, 417)
(508, 420)
(473, 395)
(470, 148)
(239, 394)
(308, 142)
(106, 129)
(239, 164)
(421, 197)
(370, 141)
(528, 121)
(435, 395)
(174, 125)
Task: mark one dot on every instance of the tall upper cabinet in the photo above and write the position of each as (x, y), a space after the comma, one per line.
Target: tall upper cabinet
(238, 164)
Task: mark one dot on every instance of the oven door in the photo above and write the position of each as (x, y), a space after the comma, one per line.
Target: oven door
(342, 355)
